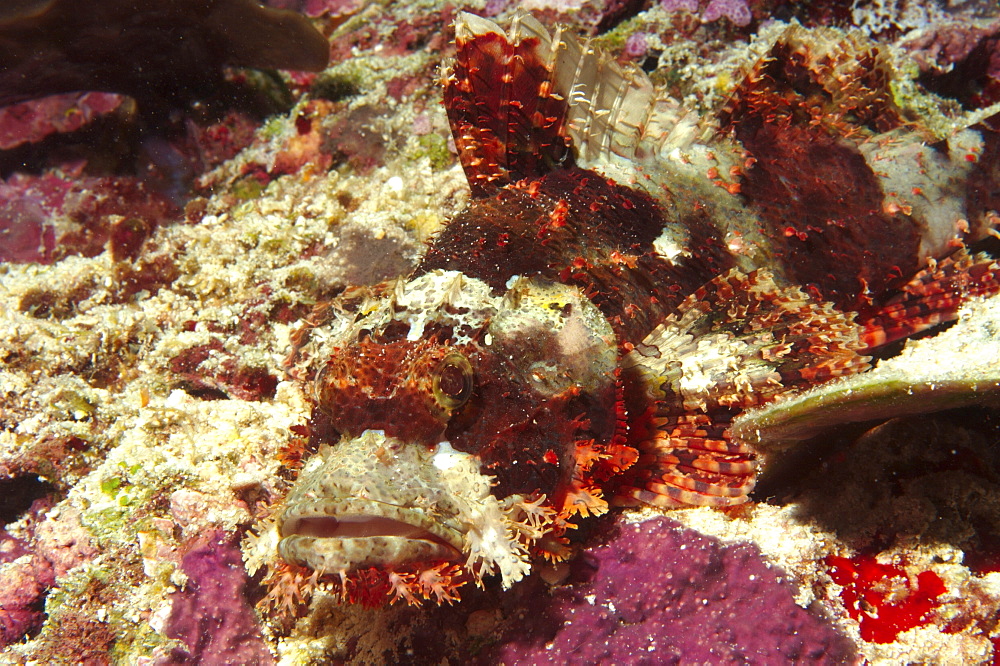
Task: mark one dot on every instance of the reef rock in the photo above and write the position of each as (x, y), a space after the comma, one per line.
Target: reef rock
(145, 49)
(660, 593)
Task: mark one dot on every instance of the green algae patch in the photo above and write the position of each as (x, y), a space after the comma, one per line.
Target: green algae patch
(247, 189)
(433, 147)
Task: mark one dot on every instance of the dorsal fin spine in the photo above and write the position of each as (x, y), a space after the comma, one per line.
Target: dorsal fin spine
(572, 94)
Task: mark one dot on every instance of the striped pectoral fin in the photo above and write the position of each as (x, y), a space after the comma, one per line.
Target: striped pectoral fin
(688, 460)
(932, 297)
(738, 342)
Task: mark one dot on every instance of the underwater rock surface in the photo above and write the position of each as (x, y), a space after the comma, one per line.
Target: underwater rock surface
(148, 50)
(142, 378)
(660, 593)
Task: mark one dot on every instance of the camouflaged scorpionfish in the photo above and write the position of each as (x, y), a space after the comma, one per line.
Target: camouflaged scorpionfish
(625, 281)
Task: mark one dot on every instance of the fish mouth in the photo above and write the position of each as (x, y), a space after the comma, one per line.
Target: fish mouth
(378, 502)
(347, 535)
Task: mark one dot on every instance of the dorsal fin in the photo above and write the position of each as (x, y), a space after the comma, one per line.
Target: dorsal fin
(525, 101)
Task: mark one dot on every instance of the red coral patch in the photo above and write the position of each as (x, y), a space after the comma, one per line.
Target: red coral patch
(883, 598)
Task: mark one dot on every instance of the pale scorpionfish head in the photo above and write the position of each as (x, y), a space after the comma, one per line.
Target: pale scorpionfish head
(472, 428)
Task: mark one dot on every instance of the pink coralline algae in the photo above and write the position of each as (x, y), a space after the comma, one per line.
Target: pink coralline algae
(24, 581)
(660, 593)
(49, 545)
(736, 11)
(46, 217)
(636, 46)
(32, 121)
(64, 542)
(332, 7)
(211, 615)
(680, 5)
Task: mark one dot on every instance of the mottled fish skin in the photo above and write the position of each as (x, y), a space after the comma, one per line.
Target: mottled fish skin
(626, 280)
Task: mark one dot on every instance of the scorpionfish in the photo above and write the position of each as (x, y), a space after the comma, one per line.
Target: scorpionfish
(626, 279)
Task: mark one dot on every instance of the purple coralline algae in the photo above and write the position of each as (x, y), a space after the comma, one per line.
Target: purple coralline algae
(661, 593)
(211, 615)
(49, 545)
(736, 11)
(24, 580)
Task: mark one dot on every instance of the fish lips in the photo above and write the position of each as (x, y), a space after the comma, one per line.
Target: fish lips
(347, 535)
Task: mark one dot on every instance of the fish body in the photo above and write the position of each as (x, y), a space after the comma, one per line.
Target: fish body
(625, 281)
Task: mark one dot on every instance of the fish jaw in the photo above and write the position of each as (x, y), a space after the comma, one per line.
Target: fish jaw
(375, 501)
(365, 501)
(350, 535)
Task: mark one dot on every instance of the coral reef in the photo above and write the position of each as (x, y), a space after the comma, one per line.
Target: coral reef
(146, 314)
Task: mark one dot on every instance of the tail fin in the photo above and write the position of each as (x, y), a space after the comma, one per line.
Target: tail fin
(525, 101)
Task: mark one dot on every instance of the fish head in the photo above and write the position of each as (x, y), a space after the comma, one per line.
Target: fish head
(469, 424)
(409, 389)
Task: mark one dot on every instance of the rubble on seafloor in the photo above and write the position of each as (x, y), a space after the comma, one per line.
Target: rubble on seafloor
(144, 409)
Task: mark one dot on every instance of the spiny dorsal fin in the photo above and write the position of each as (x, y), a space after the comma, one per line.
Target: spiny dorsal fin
(525, 101)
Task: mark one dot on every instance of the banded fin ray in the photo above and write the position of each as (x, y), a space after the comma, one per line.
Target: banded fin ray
(739, 341)
(559, 102)
(933, 296)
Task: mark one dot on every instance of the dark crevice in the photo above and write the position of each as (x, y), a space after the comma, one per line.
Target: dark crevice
(18, 494)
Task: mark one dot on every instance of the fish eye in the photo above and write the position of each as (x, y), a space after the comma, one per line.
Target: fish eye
(452, 383)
